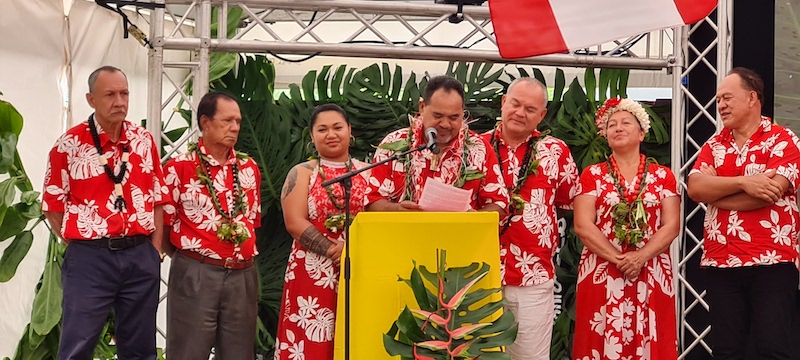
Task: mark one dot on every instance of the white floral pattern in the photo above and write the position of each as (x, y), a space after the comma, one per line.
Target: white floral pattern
(763, 236)
(77, 185)
(534, 231)
(389, 182)
(191, 212)
(616, 317)
(311, 282)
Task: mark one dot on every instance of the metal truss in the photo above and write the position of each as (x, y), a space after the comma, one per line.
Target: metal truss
(411, 30)
(716, 57)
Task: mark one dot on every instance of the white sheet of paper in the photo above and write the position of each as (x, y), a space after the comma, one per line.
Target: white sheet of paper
(437, 196)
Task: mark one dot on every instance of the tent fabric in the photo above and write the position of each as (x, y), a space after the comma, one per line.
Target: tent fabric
(45, 59)
(526, 28)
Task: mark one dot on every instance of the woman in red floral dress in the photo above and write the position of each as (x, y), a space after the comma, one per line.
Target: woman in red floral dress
(314, 216)
(627, 215)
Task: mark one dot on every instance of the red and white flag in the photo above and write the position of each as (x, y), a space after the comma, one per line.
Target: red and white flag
(536, 27)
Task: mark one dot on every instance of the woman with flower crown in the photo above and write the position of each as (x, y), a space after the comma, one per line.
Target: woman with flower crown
(627, 215)
(314, 216)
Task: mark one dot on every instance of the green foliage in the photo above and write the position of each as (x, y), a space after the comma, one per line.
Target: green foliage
(14, 216)
(449, 323)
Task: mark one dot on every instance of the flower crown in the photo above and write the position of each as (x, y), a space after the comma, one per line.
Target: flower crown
(614, 105)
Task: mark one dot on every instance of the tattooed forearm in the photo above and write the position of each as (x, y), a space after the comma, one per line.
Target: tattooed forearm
(291, 180)
(313, 240)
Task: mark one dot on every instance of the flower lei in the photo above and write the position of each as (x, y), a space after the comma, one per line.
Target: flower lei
(629, 215)
(229, 229)
(464, 175)
(335, 222)
(531, 166)
(612, 106)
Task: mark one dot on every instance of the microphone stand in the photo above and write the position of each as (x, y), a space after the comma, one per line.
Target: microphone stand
(347, 184)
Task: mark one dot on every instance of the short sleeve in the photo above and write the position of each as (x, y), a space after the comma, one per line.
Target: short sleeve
(588, 184)
(704, 157)
(567, 185)
(382, 183)
(669, 182)
(56, 182)
(159, 190)
(493, 189)
(785, 156)
(172, 194)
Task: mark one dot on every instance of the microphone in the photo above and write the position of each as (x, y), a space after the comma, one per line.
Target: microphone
(430, 134)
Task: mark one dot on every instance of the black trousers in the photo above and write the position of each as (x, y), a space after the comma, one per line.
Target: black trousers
(753, 305)
(95, 279)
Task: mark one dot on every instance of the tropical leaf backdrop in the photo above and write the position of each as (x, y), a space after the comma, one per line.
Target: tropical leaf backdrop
(378, 100)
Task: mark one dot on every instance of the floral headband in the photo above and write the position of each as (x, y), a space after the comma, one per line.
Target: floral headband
(614, 105)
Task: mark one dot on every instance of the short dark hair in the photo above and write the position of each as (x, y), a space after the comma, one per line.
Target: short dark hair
(751, 81)
(208, 105)
(95, 74)
(442, 82)
(323, 108)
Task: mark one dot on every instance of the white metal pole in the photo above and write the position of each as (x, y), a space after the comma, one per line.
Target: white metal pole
(154, 70)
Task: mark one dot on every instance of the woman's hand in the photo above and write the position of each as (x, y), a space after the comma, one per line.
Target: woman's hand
(631, 263)
(335, 252)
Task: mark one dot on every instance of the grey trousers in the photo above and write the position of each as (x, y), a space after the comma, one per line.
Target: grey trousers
(209, 306)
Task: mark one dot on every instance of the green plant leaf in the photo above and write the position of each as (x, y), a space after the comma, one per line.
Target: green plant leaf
(14, 254)
(8, 148)
(10, 118)
(29, 197)
(420, 292)
(47, 302)
(14, 222)
(234, 17)
(590, 81)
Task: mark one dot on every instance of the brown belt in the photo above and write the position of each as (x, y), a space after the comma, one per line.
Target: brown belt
(228, 263)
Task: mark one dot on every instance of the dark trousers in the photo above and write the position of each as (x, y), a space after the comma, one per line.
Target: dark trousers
(752, 305)
(209, 306)
(96, 279)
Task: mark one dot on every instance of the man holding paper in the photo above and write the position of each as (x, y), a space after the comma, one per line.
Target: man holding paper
(541, 175)
(463, 175)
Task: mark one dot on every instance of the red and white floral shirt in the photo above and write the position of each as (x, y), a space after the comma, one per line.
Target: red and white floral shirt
(190, 210)
(389, 180)
(530, 240)
(77, 185)
(760, 237)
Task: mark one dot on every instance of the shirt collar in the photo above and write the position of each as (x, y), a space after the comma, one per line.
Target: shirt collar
(498, 135)
(764, 126)
(211, 160)
(105, 139)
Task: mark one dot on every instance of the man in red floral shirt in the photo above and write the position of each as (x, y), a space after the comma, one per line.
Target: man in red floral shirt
(464, 160)
(748, 177)
(103, 195)
(212, 210)
(541, 175)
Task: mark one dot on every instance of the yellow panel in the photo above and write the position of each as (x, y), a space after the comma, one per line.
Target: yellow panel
(383, 245)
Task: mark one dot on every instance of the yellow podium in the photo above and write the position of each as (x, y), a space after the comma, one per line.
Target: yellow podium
(382, 247)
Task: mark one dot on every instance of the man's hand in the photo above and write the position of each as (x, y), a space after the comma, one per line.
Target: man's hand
(708, 170)
(407, 205)
(335, 253)
(762, 186)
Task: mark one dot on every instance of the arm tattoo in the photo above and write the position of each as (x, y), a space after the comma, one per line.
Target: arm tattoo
(291, 180)
(313, 240)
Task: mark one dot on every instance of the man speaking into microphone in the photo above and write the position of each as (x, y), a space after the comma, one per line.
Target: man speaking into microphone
(453, 155)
